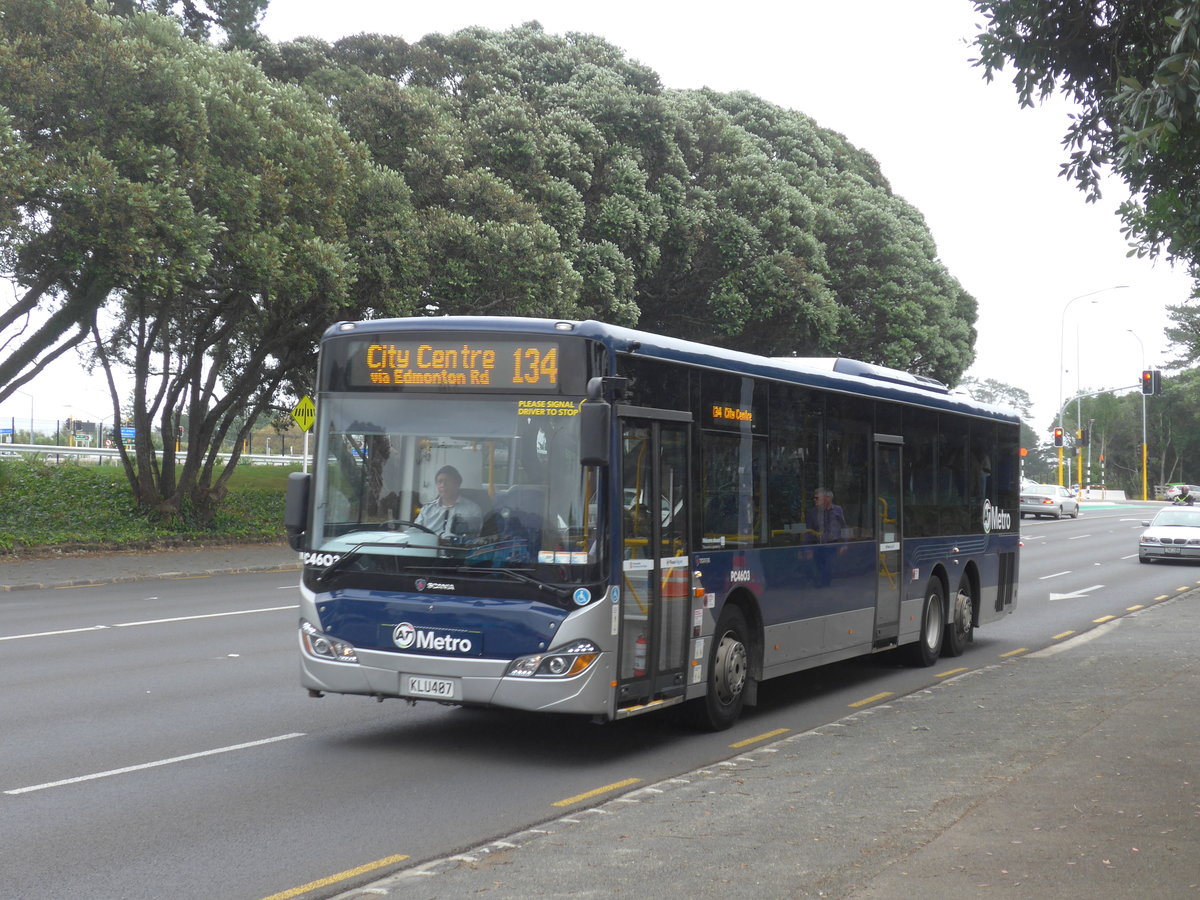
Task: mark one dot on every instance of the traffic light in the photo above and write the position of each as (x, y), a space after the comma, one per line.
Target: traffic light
(1058, 437)
(1083, 437)
(1151, 381)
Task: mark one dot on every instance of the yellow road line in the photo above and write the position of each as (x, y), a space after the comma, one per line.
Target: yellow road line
(608, 788)
(1184, 588)
(1103, 619)
(1016, 652)
(873, 699)
(762, 737)
(1134, 608)
(340, 876)
(1061, 635)
(947, 674)
(1162, 596)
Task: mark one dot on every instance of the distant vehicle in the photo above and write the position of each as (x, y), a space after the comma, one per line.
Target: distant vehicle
(1051, 500)
(1174, 490)
(1174, 533)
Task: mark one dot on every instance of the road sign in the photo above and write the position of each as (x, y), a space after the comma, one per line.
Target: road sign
(305, 413)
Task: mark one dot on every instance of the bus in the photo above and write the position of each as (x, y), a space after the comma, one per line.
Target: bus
(574, 517)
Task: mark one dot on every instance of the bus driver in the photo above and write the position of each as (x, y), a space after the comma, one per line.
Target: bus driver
(451, 515)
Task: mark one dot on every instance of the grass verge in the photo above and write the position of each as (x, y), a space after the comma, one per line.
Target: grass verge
(48, 507)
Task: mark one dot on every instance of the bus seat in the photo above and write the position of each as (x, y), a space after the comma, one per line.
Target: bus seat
(479, 497)
(522, 504)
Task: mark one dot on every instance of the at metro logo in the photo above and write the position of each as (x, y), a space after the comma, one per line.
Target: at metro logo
(407, 636)
(995, 519)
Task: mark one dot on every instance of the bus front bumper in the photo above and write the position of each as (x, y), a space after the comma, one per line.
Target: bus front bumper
(466, 682)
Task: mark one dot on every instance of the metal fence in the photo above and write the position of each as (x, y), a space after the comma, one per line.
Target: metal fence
(104, 455)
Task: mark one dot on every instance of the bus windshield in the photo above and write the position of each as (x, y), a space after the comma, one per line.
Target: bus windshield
(456, 481)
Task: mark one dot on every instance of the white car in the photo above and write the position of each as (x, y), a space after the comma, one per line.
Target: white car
(1174, 533)
(1051, 500)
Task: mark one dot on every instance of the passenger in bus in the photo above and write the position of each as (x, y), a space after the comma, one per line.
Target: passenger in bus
(451, 515)
(825, 523)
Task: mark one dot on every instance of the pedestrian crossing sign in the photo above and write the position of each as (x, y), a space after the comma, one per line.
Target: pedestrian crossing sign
(305, 413)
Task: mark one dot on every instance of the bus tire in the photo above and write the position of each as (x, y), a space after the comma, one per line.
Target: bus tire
(728, 674)
(928, 648)
(960, 627)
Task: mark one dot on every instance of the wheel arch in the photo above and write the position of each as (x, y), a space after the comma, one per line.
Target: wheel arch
(971, 573)
(939, 572)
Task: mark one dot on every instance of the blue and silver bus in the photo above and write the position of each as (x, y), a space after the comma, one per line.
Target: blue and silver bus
(574, 517)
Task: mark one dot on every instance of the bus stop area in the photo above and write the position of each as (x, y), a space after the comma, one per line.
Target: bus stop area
(1070, 772)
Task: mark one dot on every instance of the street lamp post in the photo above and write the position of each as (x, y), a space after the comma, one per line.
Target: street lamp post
(1145, 452)
(1061, 329)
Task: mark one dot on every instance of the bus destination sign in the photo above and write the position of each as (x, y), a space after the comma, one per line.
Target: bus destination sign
(456, 365)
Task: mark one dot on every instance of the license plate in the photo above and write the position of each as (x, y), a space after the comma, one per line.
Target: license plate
(437, 688)
(1171, 549)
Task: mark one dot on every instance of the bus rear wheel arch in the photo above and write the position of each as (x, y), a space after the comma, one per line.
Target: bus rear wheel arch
(960, 624)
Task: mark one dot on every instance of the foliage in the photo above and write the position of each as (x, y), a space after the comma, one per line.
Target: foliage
(220, 221)
(203, 19)
(199, 216)
(1115, 426)
(715, 217)
(66, 506)
(1132, 69)
(989, 390)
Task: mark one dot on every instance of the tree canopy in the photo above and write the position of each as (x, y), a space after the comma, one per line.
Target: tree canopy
(199, 214)
(716, 217)
(1132, 69)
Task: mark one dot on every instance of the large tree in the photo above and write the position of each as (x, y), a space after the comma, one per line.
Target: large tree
(716, 217)
(201, 224)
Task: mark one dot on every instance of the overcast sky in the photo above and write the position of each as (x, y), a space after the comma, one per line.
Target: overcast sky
(896, 79)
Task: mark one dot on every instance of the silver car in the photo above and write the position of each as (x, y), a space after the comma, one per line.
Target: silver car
(1174, 533)
(1052, 500)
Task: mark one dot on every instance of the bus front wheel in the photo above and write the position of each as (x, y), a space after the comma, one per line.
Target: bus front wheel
(728, 674)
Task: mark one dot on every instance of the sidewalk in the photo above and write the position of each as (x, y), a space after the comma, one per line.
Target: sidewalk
(1073, 772)
(118, 567)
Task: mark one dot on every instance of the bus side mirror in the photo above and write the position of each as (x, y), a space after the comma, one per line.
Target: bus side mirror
(295, 510)
(595, 433)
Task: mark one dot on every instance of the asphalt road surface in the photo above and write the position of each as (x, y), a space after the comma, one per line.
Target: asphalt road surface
(156, 741)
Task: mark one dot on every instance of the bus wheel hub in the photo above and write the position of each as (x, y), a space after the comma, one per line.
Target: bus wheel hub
(730, 672)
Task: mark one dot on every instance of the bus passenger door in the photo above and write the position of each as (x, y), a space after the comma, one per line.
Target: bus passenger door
(888, 522)
(655, 602)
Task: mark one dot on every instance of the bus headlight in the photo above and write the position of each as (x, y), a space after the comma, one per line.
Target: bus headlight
(322, 646)
(563, 662)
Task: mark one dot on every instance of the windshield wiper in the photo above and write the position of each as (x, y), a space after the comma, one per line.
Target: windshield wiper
(516, 575)
(352, 554)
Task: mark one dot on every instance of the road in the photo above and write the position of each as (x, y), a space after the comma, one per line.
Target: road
(156, 742)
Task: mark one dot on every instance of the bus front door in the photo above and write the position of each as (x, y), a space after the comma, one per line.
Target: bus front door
(655, 603)
(888, 522)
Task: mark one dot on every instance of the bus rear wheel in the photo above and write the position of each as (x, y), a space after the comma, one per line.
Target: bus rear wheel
(728, 674)
(961, 627)
(928, 648)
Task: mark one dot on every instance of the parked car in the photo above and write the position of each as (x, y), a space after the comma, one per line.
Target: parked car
(1174, 491)
(1048, 500)
(1174, 533)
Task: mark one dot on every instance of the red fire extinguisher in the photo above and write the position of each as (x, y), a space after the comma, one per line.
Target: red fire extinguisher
(639, 656)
